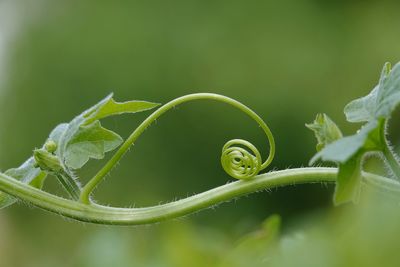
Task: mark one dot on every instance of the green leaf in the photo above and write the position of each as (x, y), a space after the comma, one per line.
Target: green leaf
(26, 173)
(348, 153)
(325, 130)
(74, 143)
(109, 107)
(368, 138)
(71, 145)
(57, 133)
(382, 100)
(362, 109)
(84, 138)
(91, 141)
(348, 185)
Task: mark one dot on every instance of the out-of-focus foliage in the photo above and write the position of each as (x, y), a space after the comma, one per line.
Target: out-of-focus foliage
(254, 248)
(362, 235)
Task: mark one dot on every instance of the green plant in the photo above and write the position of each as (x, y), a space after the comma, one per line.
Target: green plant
(70, 146)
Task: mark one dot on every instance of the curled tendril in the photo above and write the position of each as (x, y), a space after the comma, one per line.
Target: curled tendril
(239, 162)
(236, 160)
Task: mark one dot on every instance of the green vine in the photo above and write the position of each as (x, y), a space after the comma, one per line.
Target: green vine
(100, 214)
(236, 160)
(70, 146)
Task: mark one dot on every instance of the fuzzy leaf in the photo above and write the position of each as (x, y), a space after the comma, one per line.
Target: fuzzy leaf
(368, 138)
(91, 141)
(57, 132)
(74, 151)
(348, 153)
(325, 130)
(26, 173)
(382, 100)
(362, 109)
(109, 107)
(71, 145)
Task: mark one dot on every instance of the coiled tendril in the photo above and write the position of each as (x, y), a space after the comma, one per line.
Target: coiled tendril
(236, 160)
(239, 162)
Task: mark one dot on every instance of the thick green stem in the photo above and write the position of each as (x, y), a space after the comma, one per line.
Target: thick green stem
(121, 216)
(252, 168)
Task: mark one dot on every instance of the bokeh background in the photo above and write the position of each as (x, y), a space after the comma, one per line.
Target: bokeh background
(287, 60)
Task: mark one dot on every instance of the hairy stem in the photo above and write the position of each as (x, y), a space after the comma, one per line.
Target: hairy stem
(95, 213)
(69, 184)
(388, 153)
(252, 163)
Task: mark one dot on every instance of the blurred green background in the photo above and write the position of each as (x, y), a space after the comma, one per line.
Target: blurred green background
(287, 60)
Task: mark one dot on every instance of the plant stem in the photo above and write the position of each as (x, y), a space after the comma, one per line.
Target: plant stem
(88, 188)
(392, 161)
(69, 184)
(388, 153)
(121, 216)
